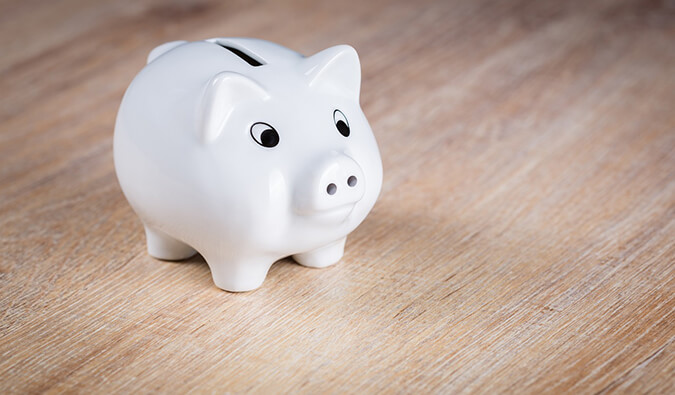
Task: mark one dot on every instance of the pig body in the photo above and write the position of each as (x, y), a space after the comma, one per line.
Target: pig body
(246, 152)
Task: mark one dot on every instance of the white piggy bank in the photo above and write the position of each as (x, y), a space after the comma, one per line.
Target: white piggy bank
(247, 152)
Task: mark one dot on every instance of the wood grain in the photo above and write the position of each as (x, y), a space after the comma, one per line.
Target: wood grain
(524, 241)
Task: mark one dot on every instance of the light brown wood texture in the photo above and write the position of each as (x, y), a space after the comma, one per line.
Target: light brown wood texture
(524, 240)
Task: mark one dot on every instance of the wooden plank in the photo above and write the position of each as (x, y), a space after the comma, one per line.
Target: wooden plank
(523, 242)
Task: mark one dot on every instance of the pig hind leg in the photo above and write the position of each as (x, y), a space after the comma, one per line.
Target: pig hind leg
(324, 256)
(163, 246)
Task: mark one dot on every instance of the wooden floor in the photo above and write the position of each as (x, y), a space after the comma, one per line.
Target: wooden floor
(524, 240)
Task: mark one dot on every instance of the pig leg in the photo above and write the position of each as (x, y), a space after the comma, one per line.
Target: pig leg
(238, 275)
(324, 256)
(163, 246)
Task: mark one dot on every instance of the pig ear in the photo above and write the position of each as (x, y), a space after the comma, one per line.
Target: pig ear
(224, 93)
(336, 69)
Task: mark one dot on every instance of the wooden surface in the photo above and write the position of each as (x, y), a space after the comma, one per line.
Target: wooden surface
(524, 241)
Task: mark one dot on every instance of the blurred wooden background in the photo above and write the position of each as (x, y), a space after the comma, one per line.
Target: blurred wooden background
(524, 240)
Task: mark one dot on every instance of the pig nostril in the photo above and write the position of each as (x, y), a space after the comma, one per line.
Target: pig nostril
(351, 181)
(331, 189)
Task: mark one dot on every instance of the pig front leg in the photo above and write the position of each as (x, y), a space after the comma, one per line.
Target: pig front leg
(165, 247)
(322, 257)
(238, 274)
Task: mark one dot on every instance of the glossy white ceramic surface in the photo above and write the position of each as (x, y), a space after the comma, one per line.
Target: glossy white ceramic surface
(247, 152)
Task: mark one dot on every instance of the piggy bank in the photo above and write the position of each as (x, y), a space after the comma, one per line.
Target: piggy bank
(247, 152)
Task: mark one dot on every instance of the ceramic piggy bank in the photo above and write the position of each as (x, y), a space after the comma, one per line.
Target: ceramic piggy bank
(247, 152)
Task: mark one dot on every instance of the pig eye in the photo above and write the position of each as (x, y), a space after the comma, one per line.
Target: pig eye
(264, 135)
(341, 123)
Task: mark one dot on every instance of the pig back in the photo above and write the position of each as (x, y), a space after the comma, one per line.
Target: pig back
(162, 168)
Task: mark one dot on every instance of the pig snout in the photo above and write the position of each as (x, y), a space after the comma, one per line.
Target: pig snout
(336, 182)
